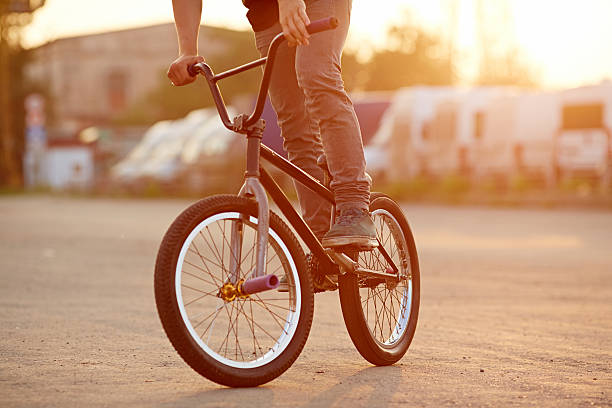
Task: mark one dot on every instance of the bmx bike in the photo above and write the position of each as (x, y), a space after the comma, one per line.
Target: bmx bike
(220, 262)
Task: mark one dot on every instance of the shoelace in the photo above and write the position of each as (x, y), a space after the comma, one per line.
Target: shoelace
(347, 217)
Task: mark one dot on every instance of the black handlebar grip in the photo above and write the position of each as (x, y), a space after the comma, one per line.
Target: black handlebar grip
(193, 71)
(322, 25)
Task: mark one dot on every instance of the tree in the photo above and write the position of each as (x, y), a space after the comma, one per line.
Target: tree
(506, 70)
(354, 72)
(14, 15)
(412, 56)
(418, 62)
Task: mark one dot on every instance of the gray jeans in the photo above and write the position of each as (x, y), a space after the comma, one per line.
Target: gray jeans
(315, 114)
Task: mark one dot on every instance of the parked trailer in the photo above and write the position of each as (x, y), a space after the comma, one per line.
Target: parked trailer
(397, 150)
(583, 143)
(157, 155)
(454, 129)
(518, 137)
(128, 168)
(211, 158)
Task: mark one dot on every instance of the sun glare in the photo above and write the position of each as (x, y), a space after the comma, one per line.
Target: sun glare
(565, 43)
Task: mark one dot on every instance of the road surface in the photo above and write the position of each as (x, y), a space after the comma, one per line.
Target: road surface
(516, 310)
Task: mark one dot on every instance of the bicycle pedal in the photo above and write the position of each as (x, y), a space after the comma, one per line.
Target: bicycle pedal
(356, 248)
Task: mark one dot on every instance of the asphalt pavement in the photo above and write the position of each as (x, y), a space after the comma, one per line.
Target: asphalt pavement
(516, 310)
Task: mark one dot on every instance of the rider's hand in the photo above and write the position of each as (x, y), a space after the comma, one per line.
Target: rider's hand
(293, 19)
(178, 73)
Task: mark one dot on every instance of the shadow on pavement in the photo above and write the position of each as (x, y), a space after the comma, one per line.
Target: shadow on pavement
(372, 387)
(365, 386)
(224, 397)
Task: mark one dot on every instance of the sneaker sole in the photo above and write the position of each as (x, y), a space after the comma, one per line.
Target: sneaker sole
(358, 242)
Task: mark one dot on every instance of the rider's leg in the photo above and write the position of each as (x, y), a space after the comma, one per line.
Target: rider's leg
(300, 133)
(319, 76)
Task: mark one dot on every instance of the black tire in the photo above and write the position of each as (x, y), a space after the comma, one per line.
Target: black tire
(251, 367)
(382, 335)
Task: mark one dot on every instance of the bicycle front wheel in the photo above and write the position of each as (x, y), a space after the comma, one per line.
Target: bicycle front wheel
(381, 315)
(232, 339)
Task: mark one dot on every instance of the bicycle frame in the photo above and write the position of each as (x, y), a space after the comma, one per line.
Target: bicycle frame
(258, 181)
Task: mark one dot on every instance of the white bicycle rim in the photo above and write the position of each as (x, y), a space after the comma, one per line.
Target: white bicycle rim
(404, 303)
(291, 320)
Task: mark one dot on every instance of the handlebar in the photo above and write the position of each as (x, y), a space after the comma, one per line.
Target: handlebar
(212, 79)
(322, 25)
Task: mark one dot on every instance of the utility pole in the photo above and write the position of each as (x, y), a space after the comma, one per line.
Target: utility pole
(14, 14)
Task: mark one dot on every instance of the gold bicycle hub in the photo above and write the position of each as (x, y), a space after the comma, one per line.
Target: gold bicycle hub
(229, 292)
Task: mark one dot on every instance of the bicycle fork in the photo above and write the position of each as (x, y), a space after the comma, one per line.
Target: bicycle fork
(252, 187)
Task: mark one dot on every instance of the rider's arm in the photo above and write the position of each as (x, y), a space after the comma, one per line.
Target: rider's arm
(187, 15)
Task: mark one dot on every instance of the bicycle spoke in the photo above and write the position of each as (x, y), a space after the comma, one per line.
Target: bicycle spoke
(231, 329)
(197, 277)
(202, 258)
(274, 315)
(383, 307)
(256, 345)
(236, 336)
(224, 240)
(382, 315)
(212, 323)
(260, 328)
(211, 293)
(378, 313)
(369, 297)
(217, 252)
(277, 306)
(232, 255)
(194, 289)
(206, 318)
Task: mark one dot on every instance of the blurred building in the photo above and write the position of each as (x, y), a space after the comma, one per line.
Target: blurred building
(91, 78)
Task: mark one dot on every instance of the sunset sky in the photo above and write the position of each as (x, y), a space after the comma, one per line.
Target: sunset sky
(567, 43)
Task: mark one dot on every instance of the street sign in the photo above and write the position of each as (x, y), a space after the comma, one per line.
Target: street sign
(36, 136)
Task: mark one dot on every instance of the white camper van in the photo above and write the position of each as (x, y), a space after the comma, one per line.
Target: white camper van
(456, 126)
(398, 147)
(158, 153)
(518, 137)
(583, 144)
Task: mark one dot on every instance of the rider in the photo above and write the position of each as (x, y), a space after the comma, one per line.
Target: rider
(314, 112)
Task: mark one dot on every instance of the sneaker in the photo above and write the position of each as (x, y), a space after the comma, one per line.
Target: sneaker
(353, 227)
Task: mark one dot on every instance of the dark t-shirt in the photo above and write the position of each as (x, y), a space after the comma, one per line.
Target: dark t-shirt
(262, 14)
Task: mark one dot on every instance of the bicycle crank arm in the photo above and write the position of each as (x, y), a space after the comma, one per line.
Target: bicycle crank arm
(347, 265)
(376, 274)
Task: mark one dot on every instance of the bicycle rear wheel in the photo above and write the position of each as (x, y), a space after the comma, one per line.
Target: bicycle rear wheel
(234, 340)
(380, 315)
